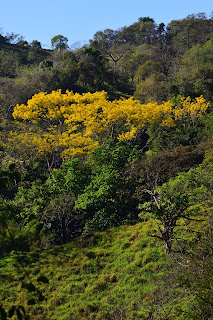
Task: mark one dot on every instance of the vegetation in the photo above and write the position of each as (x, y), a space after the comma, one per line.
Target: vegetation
(106, 174)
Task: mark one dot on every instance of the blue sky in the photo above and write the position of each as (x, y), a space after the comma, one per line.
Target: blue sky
(78, 20)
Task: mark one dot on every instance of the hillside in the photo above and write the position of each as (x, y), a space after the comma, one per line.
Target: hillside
(106, 174)
(122, 273)
(23, 51)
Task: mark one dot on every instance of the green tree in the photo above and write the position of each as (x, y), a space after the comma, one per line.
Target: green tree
(196, 72)
(110, 43)
(60, 217)
(71, 179)
(59, 42)
(68, 71)
(153, 88)
(36, 44)
(140, 32)
(93, 70)
(9, 63)
(168, 209)
(185, 33)
(23, 43)
(147, 30)
(188, 196)
(107, 200)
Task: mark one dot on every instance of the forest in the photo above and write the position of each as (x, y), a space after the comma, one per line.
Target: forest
(106, 174)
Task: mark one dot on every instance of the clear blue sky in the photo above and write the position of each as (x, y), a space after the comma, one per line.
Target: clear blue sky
(78, 20)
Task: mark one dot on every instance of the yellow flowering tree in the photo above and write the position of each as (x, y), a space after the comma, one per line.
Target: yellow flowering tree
(71, 124)
(188, 111)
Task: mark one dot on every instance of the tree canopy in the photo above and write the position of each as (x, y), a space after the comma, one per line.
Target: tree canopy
(59, 42)
(73, 124)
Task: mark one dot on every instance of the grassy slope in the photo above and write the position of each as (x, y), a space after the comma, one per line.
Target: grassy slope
(110, 275)
(122, 273)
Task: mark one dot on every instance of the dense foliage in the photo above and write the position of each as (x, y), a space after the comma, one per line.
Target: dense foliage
(106, 174)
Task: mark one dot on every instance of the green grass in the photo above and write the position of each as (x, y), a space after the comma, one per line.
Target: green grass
(109, 275)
